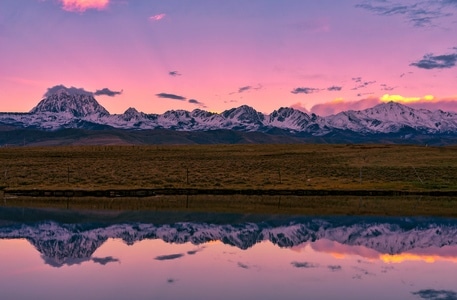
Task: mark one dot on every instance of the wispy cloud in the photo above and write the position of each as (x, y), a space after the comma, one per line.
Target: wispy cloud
(385, 87)
(243, 266)
(83, 5)
(196, 102)
(158, 17)
(305, 265)
(432, 294)
(426, 102)
(174, 73)
(171, 96)
(360, 84)
(71, 90)
(104, 260)
(244, 89)
(313, 25)
(169, 257)
(310, 90)
(431, 61)
(247, 88)
(334, 268)
(334, 88)
(304, 90)
(418, 13)
(107, 92)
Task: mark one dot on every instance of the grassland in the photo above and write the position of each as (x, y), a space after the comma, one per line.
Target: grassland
(237, 167)
(311, 167)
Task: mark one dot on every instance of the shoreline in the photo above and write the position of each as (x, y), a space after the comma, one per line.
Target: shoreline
(148, 192)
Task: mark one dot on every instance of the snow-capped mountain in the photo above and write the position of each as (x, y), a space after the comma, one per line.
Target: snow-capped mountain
(66, 108)
(62, 244)
(79, 105)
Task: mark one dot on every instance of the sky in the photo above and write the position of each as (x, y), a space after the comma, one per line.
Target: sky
(317, 56)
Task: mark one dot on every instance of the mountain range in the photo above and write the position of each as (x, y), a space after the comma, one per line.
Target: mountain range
(69, 117)
(63, 243)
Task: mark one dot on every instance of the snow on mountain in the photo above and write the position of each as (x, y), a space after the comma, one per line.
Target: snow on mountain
(62, 244)
(71, 108)
(243, 118)
(64, 101)
(392, 117)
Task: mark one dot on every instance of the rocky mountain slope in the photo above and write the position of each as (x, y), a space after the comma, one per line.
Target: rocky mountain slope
(66, 109)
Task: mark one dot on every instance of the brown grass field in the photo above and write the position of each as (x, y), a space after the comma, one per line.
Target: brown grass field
(310, 167)
(346, 167)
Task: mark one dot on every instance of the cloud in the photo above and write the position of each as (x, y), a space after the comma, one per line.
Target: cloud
(432, 294)
(231, 101)
(385, 87)
(83, 5)
(104, 260)
(196, 102)
(299, 106)
(247, 88)
(361, 84)
(304, 90)
(169, 257)
(71, 91)
(338, 105)
(430, 61)
(107, 92)
(243, 266)
(425, 102)
(334, 268)
(313, 25)
(334, 88)
(158, 17)
(174, 73)
(418, 13)
(171, 96)
(244, 89)
(305, 265)
(80, 91)
(193, 101)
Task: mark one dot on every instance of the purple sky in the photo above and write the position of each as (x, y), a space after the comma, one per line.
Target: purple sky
(321, 56)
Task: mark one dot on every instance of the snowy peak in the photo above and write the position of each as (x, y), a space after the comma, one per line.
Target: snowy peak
(72, 108)
(289, 118)
(67, 101)
(132, 114)
(245, 117)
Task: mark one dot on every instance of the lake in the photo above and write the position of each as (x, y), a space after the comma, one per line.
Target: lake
(53, 253)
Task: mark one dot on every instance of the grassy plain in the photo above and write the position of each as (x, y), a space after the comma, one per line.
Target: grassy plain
(343, 167)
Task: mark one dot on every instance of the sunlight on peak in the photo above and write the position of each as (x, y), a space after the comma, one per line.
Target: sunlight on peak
(399, 98)
(338, 100)
(404, 257)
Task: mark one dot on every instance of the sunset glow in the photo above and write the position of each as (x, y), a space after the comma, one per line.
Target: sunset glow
(83, 5)
(401, 99)
(321, 57)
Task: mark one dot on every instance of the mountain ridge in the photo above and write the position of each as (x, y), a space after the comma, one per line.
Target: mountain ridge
(66, 244)
(66, 109)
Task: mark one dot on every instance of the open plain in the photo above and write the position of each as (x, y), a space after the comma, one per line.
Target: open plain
(310, 167)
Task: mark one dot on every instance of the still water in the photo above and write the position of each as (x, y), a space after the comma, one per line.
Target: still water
(52, 254)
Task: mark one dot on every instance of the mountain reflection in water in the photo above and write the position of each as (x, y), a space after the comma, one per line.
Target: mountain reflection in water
(334, 250)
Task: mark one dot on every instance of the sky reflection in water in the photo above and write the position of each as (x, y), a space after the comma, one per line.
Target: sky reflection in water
(290, 259)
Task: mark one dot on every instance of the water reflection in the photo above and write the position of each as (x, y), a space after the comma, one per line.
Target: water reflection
(224, 256)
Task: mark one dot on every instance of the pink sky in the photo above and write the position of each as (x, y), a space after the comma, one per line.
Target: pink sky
(319, 56)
